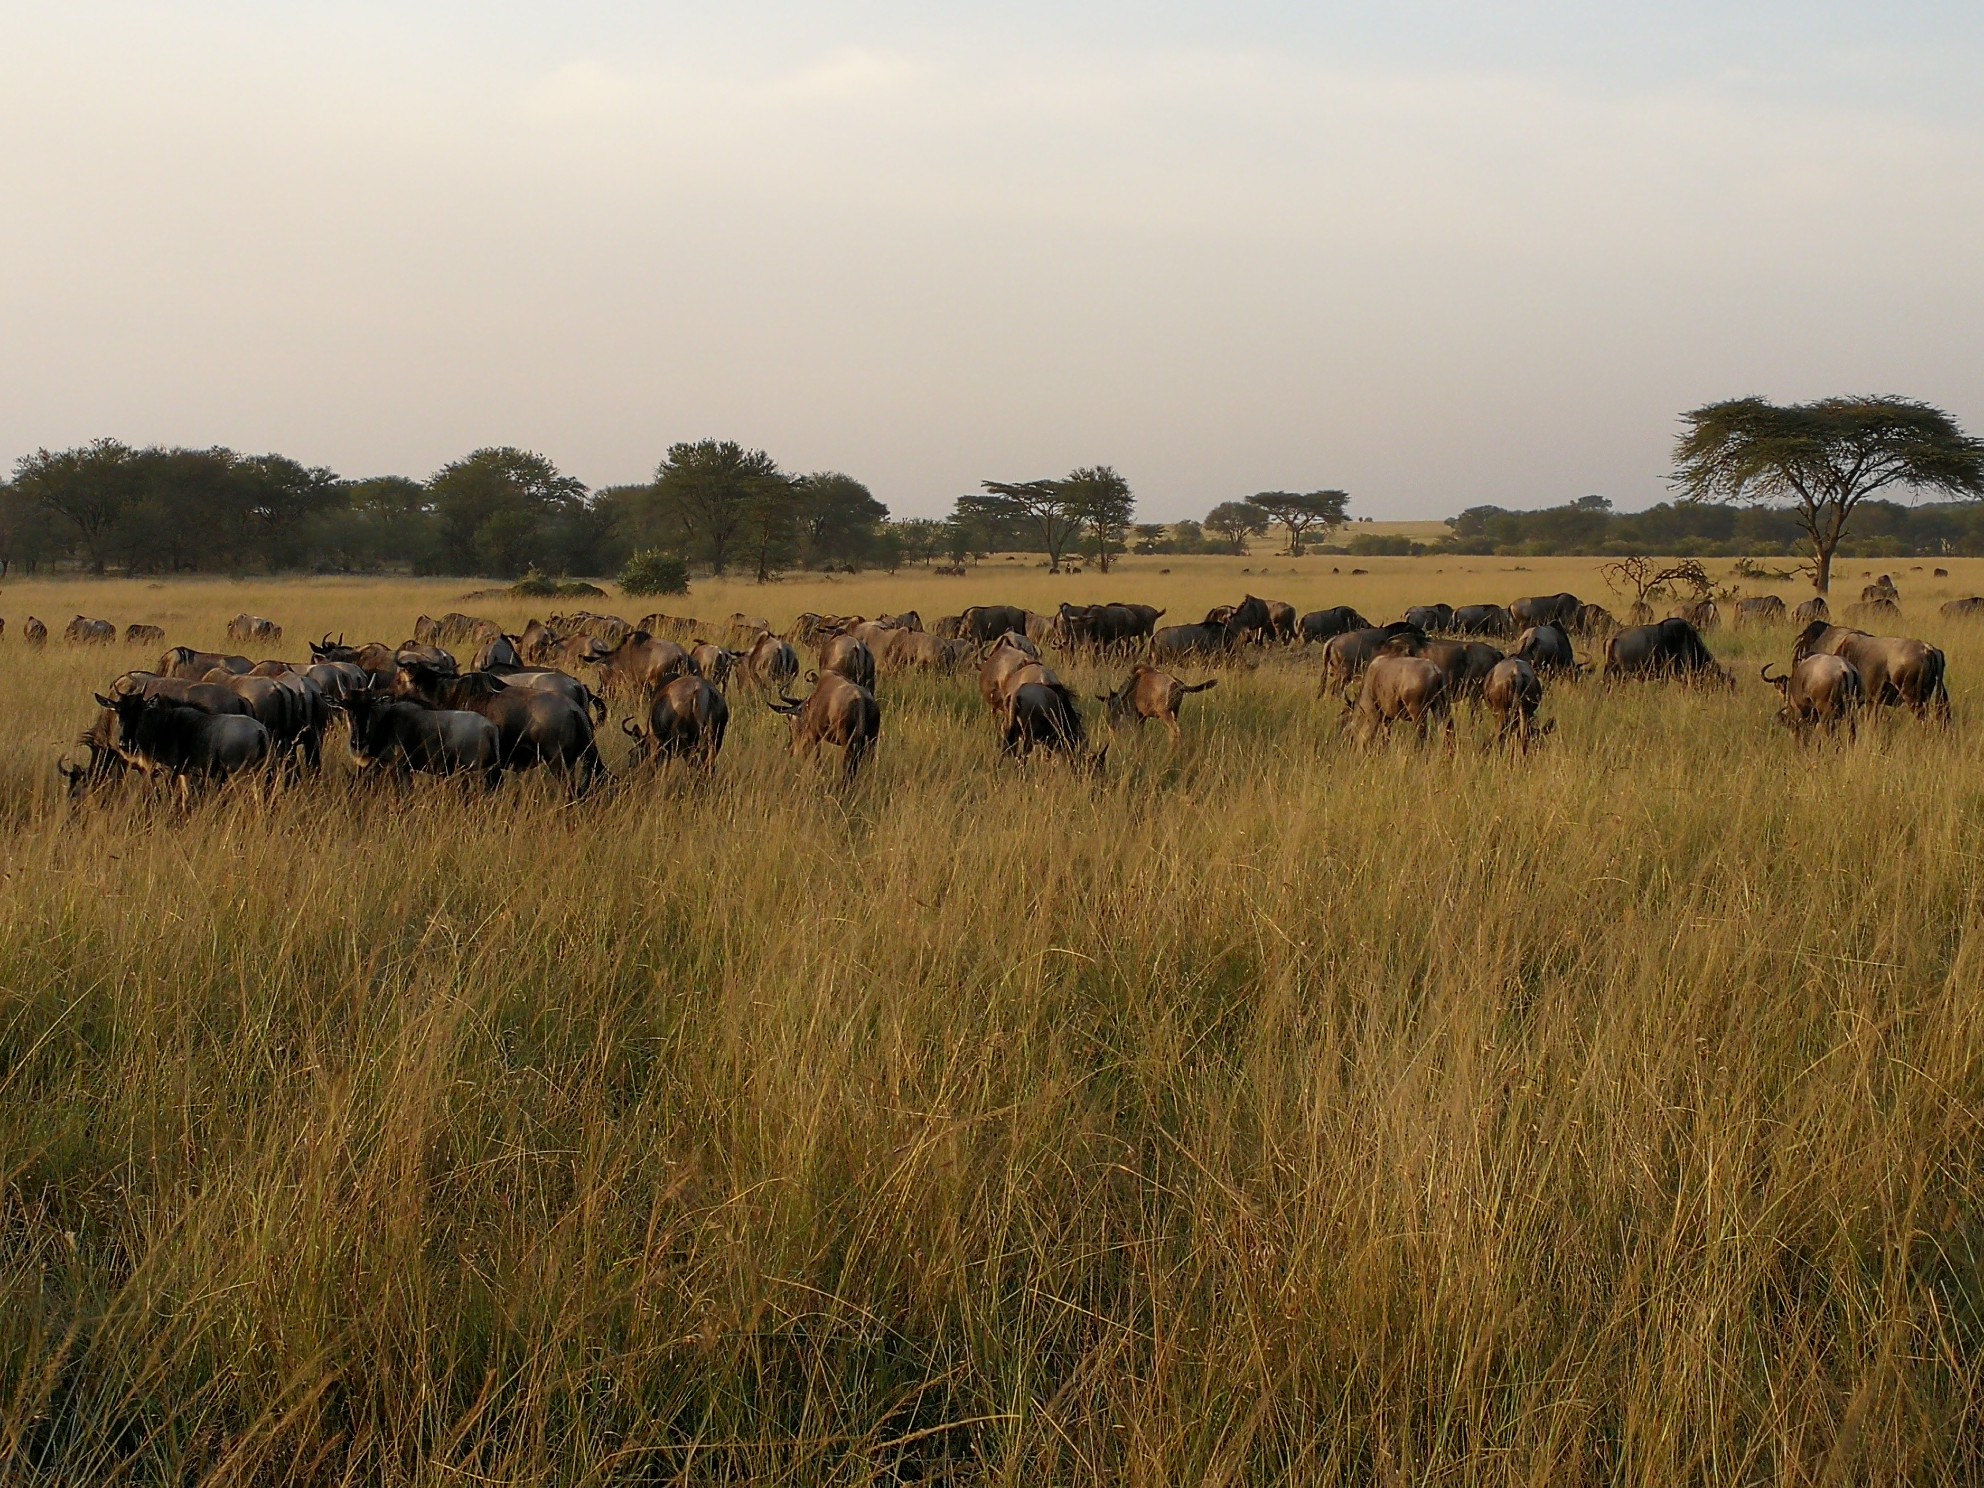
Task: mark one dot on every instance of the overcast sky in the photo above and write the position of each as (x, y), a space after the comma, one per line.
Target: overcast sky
(1437, 253)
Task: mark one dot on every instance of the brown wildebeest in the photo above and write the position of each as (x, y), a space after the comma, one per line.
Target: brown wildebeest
(1870, 610)
(1010, 656)
(536, 728)
(1149, 693)
(1882, 588)
(452, 628)
(1964, 609)
(771, 665)
(1546, 609)
(1513, 693)
(747, 628)
(1761, 609)
(675, 627)
(1432, 618)
(851, 658)
(1700, 613)
(34, 632)
(144, 635)
(1466, 663)
(1812, 609)
(253, 628)
(608, 630)
(837, 712)
(687, 720)
(640, 664)
(985, 623)
(930, 653)
(1592, 622)
(1401, 687)
(1484, 620)
(1821, 691)
(714, 663)
(1895, 671)
(1345, 656)
(812, 628)
(184, 661)
(1548, 649)
(84, 631)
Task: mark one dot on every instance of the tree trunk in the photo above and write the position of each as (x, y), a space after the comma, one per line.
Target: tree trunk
(1822, 566)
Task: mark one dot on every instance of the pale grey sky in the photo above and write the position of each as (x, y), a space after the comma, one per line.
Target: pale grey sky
(1448, 254)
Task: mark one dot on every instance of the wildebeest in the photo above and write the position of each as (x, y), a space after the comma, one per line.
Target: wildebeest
(948, 627)
(686, 720)
(1483, 620)
(1430, 618)
(1760, 609)
(1224, 627)
(1812, 609)
(1281, 621)
(1398, 687)
(34, 632)
(1011, 660)
(291, 707)
(1700, 613)
(1465, 663)
(771, 665)
(164, 737)
(1103, 626)
(1668, 648)
(1548, 649)
(1320, 625)
(1895, 671)
(1041, 714)
(1592, 622)
(400, 737)
(675, 627)
(1870, 611)
(1546, 609)
(184, 661)
(985, 623)
(454, 628)
(83, 631)
(1820, 691)
(253, 628)
(1150, 693)
(1346, 656)
(1882, 588)
(931, 652)
(811, 628)
(608, 630)
(640, 664)
(498, 652)
(1513, 692)
(1964, 609)
(837, 712)
(714, 663)
(851, 658)
(144, 635)
(535, 727)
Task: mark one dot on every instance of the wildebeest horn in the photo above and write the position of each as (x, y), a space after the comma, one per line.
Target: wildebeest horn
(630, 728)
(102, 700)
(68, 771)
(1774, 681)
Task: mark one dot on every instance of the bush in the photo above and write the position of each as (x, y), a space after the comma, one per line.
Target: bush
(535, 585)
(654, 572)
(1374, 545)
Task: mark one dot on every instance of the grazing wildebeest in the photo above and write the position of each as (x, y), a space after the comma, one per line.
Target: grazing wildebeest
(714, 663)
(1011, 657)
(253, 628)
(1669, 648)
(1812, 609)
(454, 628)
(1964, 609)
(1761, 609)
(1869, 611)
(1700, 613)
(1346, 656)
(535, 728)
(1224, 627)
(1548, 649)
(1821, 691)
(930, 652)
(640, 664)
(771, 665)
(1320, 625)
(985, 623)
(1465, 663)
(1149, 693)
(1895, 671)
(1396, 686)
(1882, 588)
(1513, 693)
(837, 712)
(1041, 714)
(687, 720)
(144, 635)
(1430, 618)
(163, 737)
(608, 630)
(34, 632)
(1101, 627)
(675, 627)
(851, 658)
(1546, 609)
(398, 737)
(1592, 622)
(1483, 620)
(84, 631)
(184, 661)
(1281, 622)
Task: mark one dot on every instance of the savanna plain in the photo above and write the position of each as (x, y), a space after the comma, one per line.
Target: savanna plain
(1265, 1110)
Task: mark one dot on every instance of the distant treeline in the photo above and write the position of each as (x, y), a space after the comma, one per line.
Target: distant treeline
(1589, 526)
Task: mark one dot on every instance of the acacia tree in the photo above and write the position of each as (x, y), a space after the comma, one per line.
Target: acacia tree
(91, 487)
(1100, 500)
(1822, 459)
(1235, 522)
(725, 498)
(1039, 506)
(1298, 511)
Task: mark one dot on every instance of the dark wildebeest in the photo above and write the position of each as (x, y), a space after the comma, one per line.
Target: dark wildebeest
(84, 631)
(687, 720)
(498, 653)
(1822, 691)
(1224, 627)
(1320, 625)
(1761, 609)
(1546, 609)
(375, 658)
(400, 737)
(34, 632)
(1964, 609)
(184, 661)
(1812, 609)
(837, 712)
(1548, 649)
(1700, 613)
(714, 663)
(1346, 656)
(291, 707)
(339, 679)
(1895, 671)
(1396, 686)
(1513, 693)
(640, 664)
(1669, 648)
(408, 653)
(536, 728)
(144, 635)
(1149, 693)
(1101, 627)
(850, 658)
(948, 627)
(1465, 663)
(163, 737)
(1041, 714)
(253, 628)
(1430, 618)
(986, 623)
(771, 665)
(1483, 620)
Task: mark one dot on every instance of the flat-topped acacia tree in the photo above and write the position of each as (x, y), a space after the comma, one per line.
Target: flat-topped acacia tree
(1298, 511)
(1822, 459)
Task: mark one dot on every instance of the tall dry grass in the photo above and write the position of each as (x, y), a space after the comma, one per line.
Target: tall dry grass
(1267, 1111)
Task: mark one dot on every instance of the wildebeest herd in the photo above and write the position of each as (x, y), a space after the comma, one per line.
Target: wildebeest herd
(523, 700)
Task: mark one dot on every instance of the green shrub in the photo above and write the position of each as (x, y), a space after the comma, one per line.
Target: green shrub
(654, 572)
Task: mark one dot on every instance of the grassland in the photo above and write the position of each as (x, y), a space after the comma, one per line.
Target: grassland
(1266, 1111)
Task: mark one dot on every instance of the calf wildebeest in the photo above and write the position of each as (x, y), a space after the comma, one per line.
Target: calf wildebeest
(536, 728)
(1964, 609)
(1483, 620)
(34, 632)
(714, 663)
(1149, 693)
(1895, 671)
(184, 661)
(253, 628)
(163, 737)
(1513, 693)
(1398, 687)
(400, 737)
(1546, 609)
(1760, 609)
(1346, 656)
(686, 720)
(771, 665)
(1700, 613)
(83, 631)
(1320, 625)
(640, 664)
(1821, 691)
(1548, 649)
(1812, 609)
(837, 712)
(985, 623)
(1430, 618)
(851, 658)
(144, 635)
(1669, 648)
(1041, 714)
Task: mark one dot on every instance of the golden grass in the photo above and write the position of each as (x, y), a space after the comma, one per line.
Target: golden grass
(1269, 1111)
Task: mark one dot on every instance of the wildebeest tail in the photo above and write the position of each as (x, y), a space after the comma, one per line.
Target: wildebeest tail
(1210, 682)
